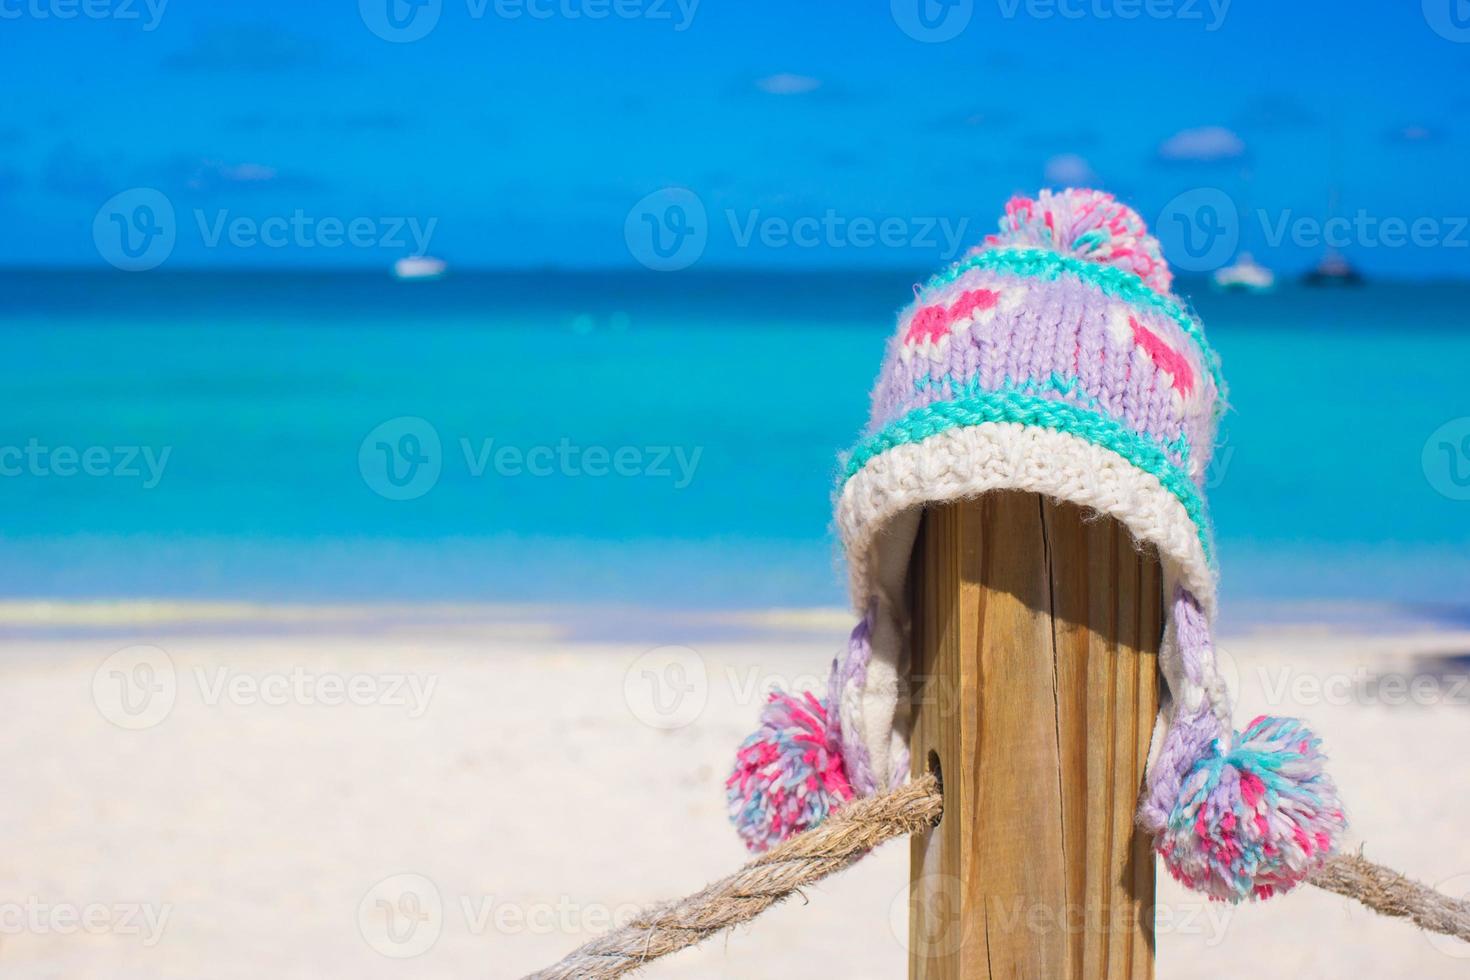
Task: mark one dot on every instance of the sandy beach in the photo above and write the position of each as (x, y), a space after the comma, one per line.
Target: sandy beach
(234, 791)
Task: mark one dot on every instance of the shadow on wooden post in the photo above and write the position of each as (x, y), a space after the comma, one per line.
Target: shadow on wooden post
(1035, 684)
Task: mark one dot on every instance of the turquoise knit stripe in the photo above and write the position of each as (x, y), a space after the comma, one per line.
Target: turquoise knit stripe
(1113, 281)
(921, 423)
(1067, 386)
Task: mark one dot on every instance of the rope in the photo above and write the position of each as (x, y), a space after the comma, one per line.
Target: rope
(1387, 892)
(805, 859)
(857, 828)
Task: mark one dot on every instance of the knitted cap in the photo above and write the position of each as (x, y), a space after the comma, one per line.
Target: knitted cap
(1053, 358)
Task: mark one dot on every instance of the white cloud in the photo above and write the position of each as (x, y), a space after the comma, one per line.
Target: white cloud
(1069, 170)
(786, 83)
(1205, 144)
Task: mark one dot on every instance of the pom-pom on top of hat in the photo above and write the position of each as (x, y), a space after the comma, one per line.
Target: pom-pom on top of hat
(1089, 225)
(1257, 819)
(788, 775)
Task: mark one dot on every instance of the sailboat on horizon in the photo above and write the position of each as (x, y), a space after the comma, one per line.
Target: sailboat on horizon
(1333, 269)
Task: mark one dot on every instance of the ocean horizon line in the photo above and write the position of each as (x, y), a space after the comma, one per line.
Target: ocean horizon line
(594, 621)
(921, 269)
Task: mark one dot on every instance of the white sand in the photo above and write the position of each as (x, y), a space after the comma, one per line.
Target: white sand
(535, 794)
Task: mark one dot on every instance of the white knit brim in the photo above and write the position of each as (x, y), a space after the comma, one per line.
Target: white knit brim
(878, 514)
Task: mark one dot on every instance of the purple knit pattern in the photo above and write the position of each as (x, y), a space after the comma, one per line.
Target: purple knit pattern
(1061, 340)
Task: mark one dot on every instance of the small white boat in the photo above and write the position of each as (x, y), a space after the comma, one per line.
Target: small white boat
(1246, 275)
(419, 267)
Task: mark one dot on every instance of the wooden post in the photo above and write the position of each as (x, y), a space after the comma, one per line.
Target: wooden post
(1035, 684)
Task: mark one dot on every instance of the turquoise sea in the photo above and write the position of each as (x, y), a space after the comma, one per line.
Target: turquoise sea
(642, 438)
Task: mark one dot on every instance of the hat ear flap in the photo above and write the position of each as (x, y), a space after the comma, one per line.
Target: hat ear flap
(809, 755)
(845, 689)
(1234, 815)
(788, 775)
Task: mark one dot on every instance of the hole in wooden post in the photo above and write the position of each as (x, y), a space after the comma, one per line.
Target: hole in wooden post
(932, 765)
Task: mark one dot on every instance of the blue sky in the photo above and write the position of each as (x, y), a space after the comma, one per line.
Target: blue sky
(524, 132)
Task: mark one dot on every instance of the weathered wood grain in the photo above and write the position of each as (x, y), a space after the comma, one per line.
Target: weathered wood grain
(1035, 641)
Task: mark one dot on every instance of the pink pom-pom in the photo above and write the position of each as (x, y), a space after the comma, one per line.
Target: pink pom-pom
(1088, 224)
(1255, 820)
(788, 775)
